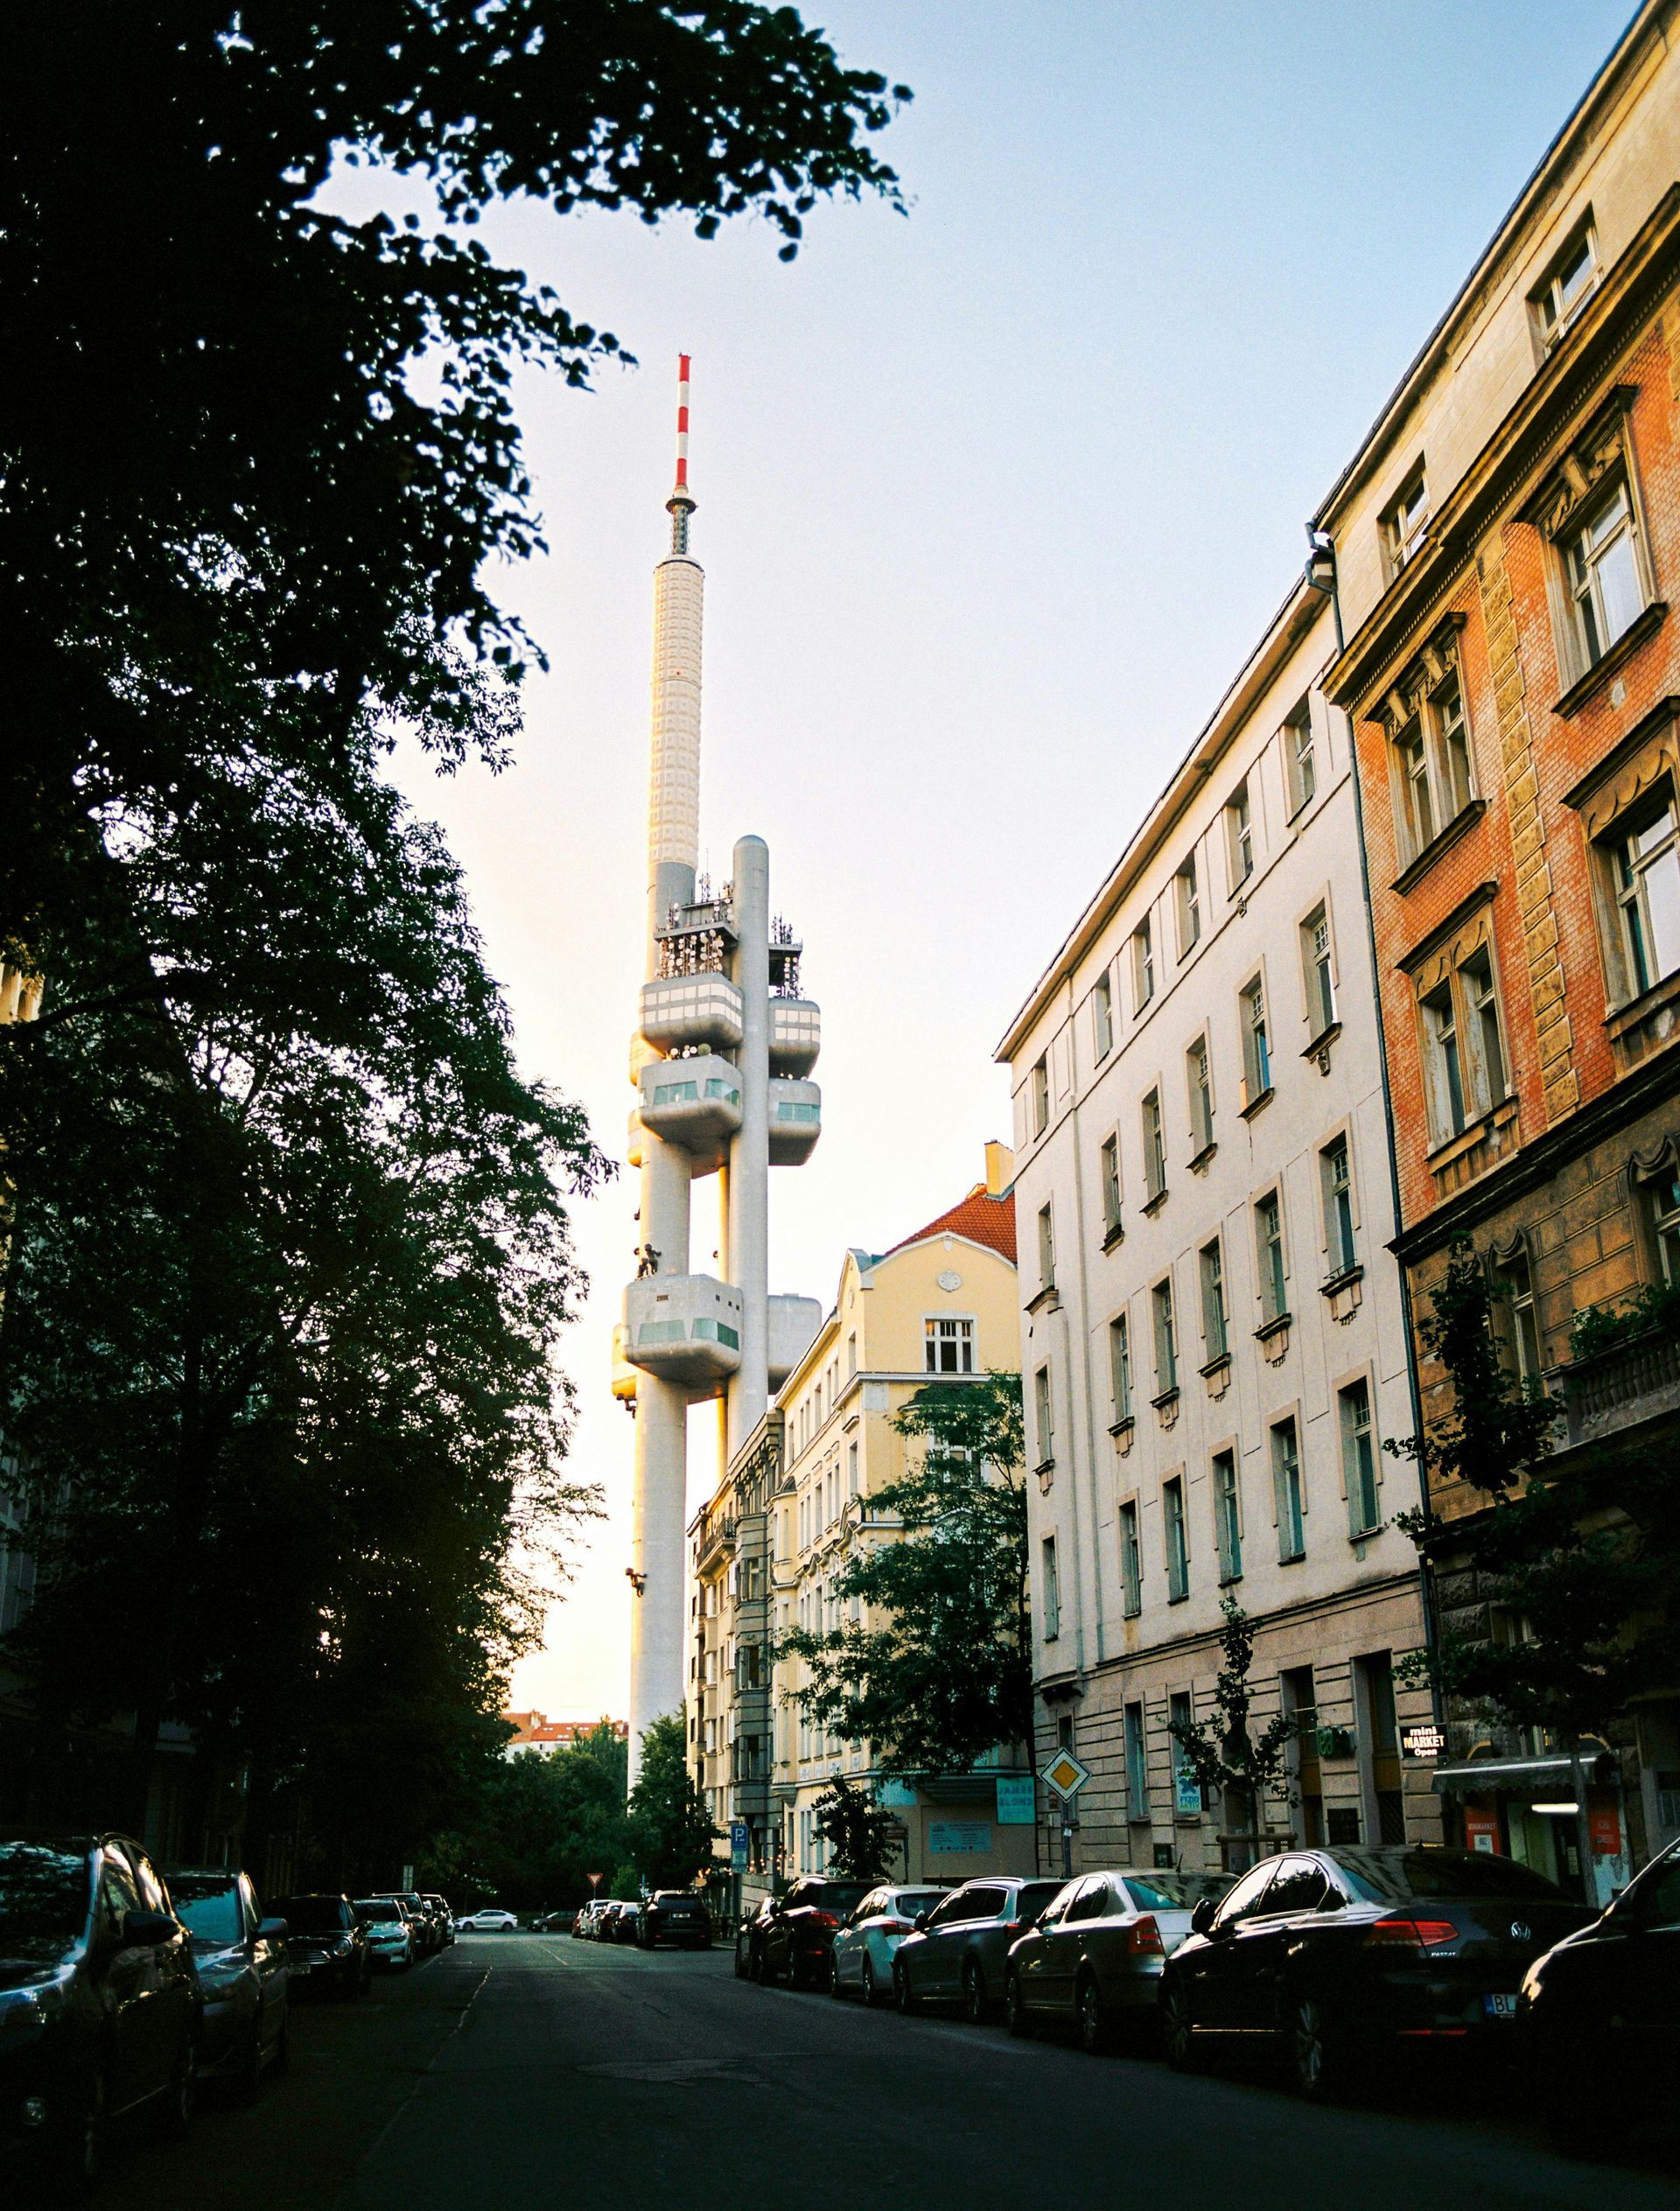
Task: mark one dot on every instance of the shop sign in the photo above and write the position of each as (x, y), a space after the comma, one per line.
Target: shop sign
(1427, 1741)
(1604, 1826)
(1015, 1806)
(1481, 1829)
(959, 1838)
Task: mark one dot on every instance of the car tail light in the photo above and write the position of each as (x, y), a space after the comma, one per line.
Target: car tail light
(898, 1926)
(824, 1919)
(1412, 1933)
(1144, 1937)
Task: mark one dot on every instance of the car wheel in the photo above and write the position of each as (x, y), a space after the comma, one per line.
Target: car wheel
(831, 1977)
(755, 1965)
(1093, 2034)
(1316, 2059)
(872, 1996)
(976, 2007)
(743, 1963)
(903, 1995)
(181, 2099)
(1015, 2012)
(1178, 2033)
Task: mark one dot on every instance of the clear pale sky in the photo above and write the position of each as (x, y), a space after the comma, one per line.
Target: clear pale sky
(992, 500)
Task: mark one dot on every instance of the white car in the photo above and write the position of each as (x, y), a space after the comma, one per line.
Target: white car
(391, 1931)
(864, 1947)
(489, 1922)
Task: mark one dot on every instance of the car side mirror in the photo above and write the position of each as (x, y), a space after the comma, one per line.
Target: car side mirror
(920, 1922)
(149, 1930)
(1201, 1917)
(273, 1930)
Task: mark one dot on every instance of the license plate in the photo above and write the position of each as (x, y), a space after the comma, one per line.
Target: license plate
(1499, 2007)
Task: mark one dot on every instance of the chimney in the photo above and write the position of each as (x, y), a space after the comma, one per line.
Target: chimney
(1000, 1170)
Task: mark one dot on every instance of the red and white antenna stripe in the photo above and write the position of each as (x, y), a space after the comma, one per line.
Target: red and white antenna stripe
(681, 421)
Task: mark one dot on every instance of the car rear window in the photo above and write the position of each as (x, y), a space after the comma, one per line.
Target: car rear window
(1174, 1891)
(1034, 1896)
(838, 1896)
(1395, 1877)
(906, 1902)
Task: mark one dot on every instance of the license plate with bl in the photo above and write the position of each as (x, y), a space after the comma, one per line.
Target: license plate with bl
(1499, 2007)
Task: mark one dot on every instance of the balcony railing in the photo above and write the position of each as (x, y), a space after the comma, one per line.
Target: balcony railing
(1618, 1389)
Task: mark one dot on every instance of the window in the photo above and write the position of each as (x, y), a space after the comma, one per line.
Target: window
(948, 1345)
(1318, 969)
(1045, 1428)
(1516, 1284)
(1359, 1459)
(1286, 1493)
(1464, 1054)
(1109, 1164)
(1178, 1548)
(1189, 903)
(1228, 1517)
(851, 1352)
(1167, 1346)
(851, 1470)
(1215, 1335)
(1051, 1586)
(1046, 1249)
(1136, 1763)
(1602, 560)
(1269, 1250)
(1300, 759)
(1239, 836)
(1131, 1564)
(1143, 964)
(1663, 1198)
(1406, 524)
(1478, 973)
(1040, 1094)
(1646, 864)
(1102, 1015)
(1336, 1174)
(1568, 284)
(1256, 1046)
(1120, 1367)
(1431, 759)
(1417, 795)
(1186, 1789)
(1154, 1149)
(1199, 1076)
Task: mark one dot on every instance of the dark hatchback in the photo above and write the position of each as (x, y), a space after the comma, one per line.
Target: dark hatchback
(794, 1935)
(959, 1949)
(1598, 2016)
(242, 1975)
(98, 2002)
(327, 1945)
(675, 1915)
(1333, 1957)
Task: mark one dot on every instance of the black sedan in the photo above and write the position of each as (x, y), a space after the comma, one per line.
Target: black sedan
(1600, 2014)
(1334, 1956)
(243, 1971)
(98, 2002)
(327, 1945)
(1094, 1957)
(794, 1935)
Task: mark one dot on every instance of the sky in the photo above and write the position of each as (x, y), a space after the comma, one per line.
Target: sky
(994, 496)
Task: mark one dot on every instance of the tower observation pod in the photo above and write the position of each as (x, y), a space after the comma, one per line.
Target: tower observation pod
(721, 1061)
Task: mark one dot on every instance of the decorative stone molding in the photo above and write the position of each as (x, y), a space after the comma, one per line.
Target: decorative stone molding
(1603, 447)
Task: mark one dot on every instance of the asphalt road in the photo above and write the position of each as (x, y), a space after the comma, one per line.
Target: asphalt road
(528, 2073)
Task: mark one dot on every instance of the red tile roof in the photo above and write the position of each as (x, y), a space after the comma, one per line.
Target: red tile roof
(981, 1218)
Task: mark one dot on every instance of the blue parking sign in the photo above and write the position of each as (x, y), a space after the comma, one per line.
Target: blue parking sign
(737, 1841)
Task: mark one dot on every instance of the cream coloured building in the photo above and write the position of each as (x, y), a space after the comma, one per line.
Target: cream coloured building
(1212, 1345)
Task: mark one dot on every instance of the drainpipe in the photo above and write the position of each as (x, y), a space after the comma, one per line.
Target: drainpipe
(1322, 576)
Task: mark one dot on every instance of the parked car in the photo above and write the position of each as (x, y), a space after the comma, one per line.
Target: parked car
(327, 1945)
(553, 1923)
(627, 1921)
(390, 1931)
(427, 1924)
(241, 1960)
(861, 1957)
(794, 1935)
(444, 1916)
(1093, 1955)
(491, 1921)
(1334, 1956)
(1599, 2014)
(99, 2003)
(675, 1915)
(588, 1920)
(959, 1949)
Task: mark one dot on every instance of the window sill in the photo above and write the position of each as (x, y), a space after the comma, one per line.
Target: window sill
(1181, 1597)
(1229, 1581)
(1112, 1235)
(1221, 1360)
(1152, 1206)
(1345, 1280)
(1472, 1134)
(1268, 1329)
(1319, 1048)
(1586, 687)
(1119, 1429)
(1442, 841)
(1629, 1015)
(1198, 1163)
(1295, 1558)
(1366, 1535)
(1261, 1098)
(1040, 1299)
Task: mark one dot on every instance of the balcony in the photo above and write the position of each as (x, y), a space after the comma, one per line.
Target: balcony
(792, 1324)
(694, 1104)
(795, 1035)
(684, 1012)
(795, 1121)
(1622, 1386)
(684, 1328)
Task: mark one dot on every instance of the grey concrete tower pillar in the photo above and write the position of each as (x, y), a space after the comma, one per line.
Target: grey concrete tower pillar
(749, 1153)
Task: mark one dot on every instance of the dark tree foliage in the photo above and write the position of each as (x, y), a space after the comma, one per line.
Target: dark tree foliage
(534, 1828)
(222, 490)
(1586, 1557)
(862, 1845)
(670, 1834)
(948, 1677)
(1223, 1752)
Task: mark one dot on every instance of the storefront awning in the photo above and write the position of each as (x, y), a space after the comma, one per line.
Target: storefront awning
(1529, 1777)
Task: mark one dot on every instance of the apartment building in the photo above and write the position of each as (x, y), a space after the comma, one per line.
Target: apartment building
(1504, 546)
(1213, 1346)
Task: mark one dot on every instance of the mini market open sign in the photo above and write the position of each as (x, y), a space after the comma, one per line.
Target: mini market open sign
(1066, 1775)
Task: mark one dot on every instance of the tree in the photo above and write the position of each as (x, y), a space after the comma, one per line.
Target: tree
(1223, 1753)
(537, 1826)
(671, 1835)
(948, 1677)
(858, 1833)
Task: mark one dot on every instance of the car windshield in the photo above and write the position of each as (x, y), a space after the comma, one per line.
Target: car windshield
(311, 1915)
(45, 1890)
(378, 1907)
(207, 1906)
(1396, 1877)
(1174, 1891)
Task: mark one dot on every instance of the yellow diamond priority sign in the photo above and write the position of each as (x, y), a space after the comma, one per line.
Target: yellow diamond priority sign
(1066, 1775)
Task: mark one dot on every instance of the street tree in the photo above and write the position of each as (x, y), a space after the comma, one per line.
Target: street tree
(1237, 1767)
(946, 1675)
(860, 1835)
(671, 1834)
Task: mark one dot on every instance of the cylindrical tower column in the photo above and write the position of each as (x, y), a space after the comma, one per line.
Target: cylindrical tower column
(657, 1517)
(749, 1153)
(674, 768)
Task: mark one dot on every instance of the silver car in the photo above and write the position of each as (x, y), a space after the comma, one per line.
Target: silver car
(864, 1947)
(1093, 1958)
